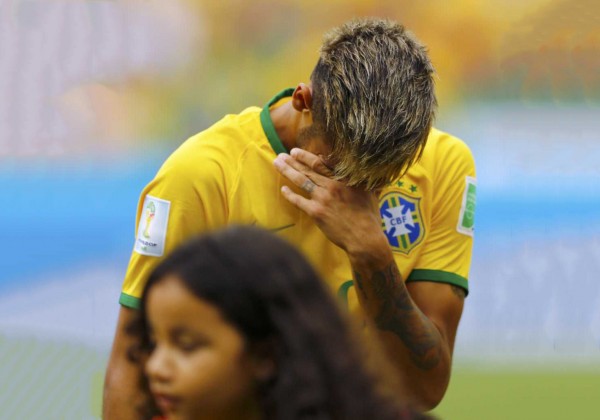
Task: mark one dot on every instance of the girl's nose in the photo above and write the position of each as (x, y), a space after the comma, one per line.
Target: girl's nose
(159, 365)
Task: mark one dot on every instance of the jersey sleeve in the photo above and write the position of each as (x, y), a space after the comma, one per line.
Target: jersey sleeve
(446, 257)
(187, 197)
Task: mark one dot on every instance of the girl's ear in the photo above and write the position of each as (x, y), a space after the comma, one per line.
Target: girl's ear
(264, 370)
(264, 366)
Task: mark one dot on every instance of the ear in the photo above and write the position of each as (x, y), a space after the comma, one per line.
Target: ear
(263, 362)
(302, 97)
(263, 370)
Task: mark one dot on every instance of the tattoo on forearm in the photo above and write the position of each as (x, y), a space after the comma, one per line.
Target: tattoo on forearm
(358, 280)
(397, 313)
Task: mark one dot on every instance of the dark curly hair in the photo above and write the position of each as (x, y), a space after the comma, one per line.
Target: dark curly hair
(270, 294)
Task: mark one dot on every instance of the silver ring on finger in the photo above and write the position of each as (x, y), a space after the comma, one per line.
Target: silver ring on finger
(309, 186)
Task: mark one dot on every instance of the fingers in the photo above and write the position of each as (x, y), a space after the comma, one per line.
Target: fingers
(308, 172)
(297, 200)
(312, 161)
(295, 172)
(298, 172)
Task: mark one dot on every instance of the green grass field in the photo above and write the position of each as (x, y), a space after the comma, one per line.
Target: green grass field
(512, 394)
(63, 381)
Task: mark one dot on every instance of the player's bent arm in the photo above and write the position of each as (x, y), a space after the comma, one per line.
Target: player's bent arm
(418, 340)
(121, 383)
(416, 323)
(442, 304)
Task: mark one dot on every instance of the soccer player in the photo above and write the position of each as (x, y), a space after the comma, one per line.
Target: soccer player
(349, 169)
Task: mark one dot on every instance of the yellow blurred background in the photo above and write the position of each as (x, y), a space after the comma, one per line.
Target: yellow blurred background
(142, 70)
(241, 52)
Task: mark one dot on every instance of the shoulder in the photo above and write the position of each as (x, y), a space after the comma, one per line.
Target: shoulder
(219, 147)
(446, 152)
(440, 142)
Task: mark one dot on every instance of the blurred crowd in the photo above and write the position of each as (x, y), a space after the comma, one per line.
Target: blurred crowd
(81, 76)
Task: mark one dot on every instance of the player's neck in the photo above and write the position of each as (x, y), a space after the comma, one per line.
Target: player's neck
(287, 122)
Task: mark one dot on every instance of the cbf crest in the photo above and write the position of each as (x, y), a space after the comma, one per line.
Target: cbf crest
(401, 221)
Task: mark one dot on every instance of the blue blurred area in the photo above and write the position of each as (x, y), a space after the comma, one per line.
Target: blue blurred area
(509, 216)
(57, 215)
(68, 230)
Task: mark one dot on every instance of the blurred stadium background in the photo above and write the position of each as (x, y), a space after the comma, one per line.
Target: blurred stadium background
(95, 94)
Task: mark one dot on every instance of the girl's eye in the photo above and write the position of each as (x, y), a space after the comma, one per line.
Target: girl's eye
(189, 345)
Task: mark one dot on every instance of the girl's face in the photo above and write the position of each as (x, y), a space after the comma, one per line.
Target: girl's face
(199, 367)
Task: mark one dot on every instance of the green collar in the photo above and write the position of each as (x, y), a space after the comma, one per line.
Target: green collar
(267, 122)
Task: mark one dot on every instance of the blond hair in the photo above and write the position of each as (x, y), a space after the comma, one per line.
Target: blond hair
(373, 99)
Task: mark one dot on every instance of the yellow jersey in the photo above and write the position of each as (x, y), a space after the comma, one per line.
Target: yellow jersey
(225, 175)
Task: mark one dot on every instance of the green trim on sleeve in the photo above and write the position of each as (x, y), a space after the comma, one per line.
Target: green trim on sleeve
(439, 276)
(342, 292)
(129, 301)
(267, 122)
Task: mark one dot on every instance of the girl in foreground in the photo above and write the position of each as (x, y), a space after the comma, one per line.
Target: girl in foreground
(237, 325)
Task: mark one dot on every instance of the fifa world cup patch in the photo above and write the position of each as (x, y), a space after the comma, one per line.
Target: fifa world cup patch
(466, 217)
(401, 221)
(152, 227)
